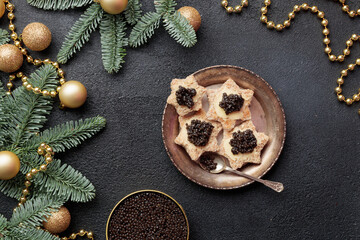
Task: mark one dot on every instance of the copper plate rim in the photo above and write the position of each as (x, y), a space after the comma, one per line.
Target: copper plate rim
(154, 191)
(280, 149)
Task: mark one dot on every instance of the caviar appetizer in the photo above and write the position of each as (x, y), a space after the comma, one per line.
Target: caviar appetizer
(229, 104)
(243, 145)
(186, 95)
(198, 134)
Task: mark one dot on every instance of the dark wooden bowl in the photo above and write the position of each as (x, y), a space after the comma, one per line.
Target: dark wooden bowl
(268, 117)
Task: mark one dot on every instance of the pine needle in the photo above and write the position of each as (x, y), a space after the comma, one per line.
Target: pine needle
(180, 29)
(80, 32)
(165, 6)
(4, 36)
(133, 12)
(113, 41)
(144, 29)
(58, 4)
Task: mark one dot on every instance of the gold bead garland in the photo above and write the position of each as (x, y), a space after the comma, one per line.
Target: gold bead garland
(324, 22)
(37, 62)
(237, 8)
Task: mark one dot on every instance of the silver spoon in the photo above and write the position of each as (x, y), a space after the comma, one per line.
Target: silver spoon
(221, 167)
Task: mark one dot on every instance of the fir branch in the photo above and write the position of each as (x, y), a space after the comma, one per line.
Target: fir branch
(3, 224)
(80, 32)
(144, 29)
(58, 4)
(113, 41)
(13, 187)
(165, 6)
(133, 12)
(67, 135)
(180, 29)
(27, 111)
(65, 181)
(35, 211)
(20, 233)
(4, 36)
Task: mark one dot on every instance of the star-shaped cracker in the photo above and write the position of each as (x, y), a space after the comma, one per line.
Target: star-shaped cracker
(238, 160)
(189, 84)
(183, 138)
(217, 113)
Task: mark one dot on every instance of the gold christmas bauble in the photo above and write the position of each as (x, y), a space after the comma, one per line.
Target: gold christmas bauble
(192, 15)
(36, 36)
(72, 94)
(9, 165)
(11, 58)
(114, 6)
(59, 221)
(2, 8)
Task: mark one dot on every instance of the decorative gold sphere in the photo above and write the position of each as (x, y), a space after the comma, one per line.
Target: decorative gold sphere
(73, 94)
(36, 36)
(192, 15)
(11, 58)
(9, 165)
(2, 8)
(59, 221)
(114, 6)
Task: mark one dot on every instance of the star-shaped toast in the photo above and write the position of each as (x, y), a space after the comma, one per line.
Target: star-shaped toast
(229, 103)
(243, 145)
(186, 95)
(198, 134)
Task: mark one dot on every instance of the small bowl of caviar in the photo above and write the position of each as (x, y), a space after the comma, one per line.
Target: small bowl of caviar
(147, 214)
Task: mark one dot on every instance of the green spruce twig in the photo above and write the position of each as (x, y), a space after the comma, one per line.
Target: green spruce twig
(58, 4)
(113, 41)
(80, 32)
(177, 25)
(133, 12)
(4, 36)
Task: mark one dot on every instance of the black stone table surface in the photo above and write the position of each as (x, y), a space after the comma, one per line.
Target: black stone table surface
(319, 166)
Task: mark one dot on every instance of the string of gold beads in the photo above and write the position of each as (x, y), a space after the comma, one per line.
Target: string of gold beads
(81, 233)
(346, 8)
(37, 62)
(43, 150)
(340, 82)
(237, 8)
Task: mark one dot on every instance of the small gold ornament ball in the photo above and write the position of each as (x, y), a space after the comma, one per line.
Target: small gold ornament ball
(9, 165)
(11, 58)
(192, 15)
(2, 8)
(59, 221)
(73, 94)
(114, 6)
(36, 36)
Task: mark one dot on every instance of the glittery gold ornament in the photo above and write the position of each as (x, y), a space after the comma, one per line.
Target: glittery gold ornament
(11, 58)
(72, 94)
(2, 8)
(192, 15)
(36, 36)
(114, 6)
(9, 165)
(59, 221)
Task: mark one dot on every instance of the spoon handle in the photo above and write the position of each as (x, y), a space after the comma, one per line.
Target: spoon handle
(276, 186)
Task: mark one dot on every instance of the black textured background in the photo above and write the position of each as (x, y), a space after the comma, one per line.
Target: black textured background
(319, 165)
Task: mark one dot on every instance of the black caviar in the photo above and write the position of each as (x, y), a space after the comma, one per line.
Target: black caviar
(199, 132)
(147, 215)
(231, 103)
(184, 96)
(207, 161)
(243, 142)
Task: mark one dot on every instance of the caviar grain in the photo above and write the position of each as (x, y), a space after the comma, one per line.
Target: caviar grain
(147, 215)
(207, 161)
(184, 96)
(199, 132)
(243, 142)
(231, 103)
